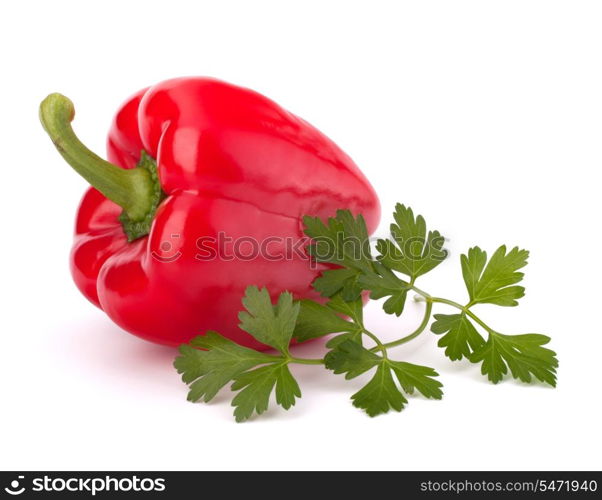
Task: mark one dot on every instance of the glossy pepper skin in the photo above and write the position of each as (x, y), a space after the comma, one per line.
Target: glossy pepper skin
(229, 161)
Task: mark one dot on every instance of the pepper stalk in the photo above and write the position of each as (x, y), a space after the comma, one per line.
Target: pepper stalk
(136, 190)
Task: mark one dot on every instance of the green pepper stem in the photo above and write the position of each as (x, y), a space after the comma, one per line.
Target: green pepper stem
(131, 189)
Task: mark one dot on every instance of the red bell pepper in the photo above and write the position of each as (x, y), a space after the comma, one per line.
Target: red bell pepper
(229, 162)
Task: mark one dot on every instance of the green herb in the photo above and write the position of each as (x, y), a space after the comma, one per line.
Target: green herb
(254, 374)
(209, 362)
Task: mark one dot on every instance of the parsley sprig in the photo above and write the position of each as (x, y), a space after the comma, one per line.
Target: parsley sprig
(210, 362)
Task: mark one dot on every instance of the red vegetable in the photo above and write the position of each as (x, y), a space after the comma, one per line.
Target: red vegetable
(229, 161)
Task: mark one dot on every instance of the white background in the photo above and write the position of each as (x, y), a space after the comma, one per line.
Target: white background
(484, 116)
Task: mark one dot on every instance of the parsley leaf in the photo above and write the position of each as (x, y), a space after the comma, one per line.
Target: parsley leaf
(351, 336)
(492, 284)
(461, 337)
(380, 394)
(412, 251)
(271, 325)
(209, 362)
(522, 354)
(256, 387)
(350, 358)
(316, 320)
(343, 241)
(333, 281)
(354, 308)
(382, 282)
(209, 370)
(417, 377)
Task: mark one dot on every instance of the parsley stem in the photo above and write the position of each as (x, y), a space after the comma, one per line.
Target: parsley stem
(306, 361)
(379, 345)
(465, 310)
(440, 300)
(411, 286)
(415, 333)
(449, 303)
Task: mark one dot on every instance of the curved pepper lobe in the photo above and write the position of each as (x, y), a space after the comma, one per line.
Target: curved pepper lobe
(212, 136)
(124, 143)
